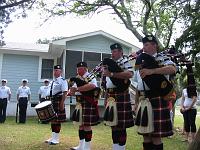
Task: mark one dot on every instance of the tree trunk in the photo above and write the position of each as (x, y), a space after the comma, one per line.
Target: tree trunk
(195, 145)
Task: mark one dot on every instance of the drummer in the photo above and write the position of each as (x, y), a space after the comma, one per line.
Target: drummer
(58, 94)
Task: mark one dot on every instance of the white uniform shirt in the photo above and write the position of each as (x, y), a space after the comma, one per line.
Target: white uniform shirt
(125, 65)
(44, 91)
(4, 92)
(137, 78)
(59, 85)
(188, 101)
(93, 81)
(23, 91)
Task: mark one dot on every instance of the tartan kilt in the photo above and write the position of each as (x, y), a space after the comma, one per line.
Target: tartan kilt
(90, 113)
(124, 109)
(61, 115)
(161, 115)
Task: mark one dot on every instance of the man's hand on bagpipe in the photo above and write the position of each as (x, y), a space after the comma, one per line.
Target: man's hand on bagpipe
(145, 72)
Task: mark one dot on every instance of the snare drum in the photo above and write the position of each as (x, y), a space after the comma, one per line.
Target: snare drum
(45, 111)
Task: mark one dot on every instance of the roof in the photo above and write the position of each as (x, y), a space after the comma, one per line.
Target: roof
(99, 32)
(32, 47)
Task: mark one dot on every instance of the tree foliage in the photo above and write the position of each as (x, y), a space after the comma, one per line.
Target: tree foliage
(17, 8)
(190, 39)
(141, 17)
(162, 18)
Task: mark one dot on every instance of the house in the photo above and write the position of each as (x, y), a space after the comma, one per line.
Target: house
(35, 61)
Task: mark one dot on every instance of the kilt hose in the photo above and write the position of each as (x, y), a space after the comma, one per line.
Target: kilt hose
(124, 109)
(90, 113)
(161, 115)
(61, 115)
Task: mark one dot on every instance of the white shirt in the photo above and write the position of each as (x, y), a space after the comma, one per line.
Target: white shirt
(59, 85)
(188, 101)
(125, 65)
(23, 91)
(137, 78)
(93, 81)
(4, 92)
(44, 91)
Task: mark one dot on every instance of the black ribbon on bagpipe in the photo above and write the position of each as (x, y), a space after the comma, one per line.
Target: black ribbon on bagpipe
(191, 84)
(159, 85)
(112, 66)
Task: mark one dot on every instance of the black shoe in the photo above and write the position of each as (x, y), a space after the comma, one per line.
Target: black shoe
(51, 143)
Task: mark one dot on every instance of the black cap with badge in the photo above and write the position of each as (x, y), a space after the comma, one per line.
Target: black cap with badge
(116, 46)
(149, 38)
(57, 67)
(81, 64)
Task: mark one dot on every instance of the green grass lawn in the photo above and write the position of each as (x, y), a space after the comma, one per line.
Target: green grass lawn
(31, 136)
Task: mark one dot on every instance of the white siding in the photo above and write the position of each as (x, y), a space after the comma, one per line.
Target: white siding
(17, 67)
(97, 43)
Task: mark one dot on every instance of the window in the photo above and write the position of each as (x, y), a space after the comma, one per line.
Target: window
(47, 69)
(92, 59)
(72, 58)
(106, 56)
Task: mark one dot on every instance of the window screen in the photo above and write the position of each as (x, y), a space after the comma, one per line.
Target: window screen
(72, 58)
(47, 69)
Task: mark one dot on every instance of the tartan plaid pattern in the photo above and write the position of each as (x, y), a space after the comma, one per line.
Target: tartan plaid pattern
(61, 115)
(124, 110)
(162, 122)
(90, 114)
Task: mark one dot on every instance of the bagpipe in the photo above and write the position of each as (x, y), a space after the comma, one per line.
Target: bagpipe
(159, 85)
(113, 66)
(181, 60)
(80, 82)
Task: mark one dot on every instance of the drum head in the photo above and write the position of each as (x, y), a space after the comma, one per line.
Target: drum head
(43, 104)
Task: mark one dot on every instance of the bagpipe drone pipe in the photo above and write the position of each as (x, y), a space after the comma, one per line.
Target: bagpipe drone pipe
(181, 60)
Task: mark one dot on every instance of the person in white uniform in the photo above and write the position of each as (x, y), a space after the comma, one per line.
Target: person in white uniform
(44, 91)
(58, 94)
(23, 97)
(5, 95)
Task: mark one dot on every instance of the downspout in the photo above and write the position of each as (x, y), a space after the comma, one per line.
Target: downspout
(64, 62)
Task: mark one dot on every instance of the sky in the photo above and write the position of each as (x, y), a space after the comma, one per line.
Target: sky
(28, 30)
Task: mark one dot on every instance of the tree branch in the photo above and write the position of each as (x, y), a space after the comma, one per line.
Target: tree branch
(14, 4)
(128, 22)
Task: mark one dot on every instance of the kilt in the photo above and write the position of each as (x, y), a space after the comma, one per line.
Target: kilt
(162, 122)
(90, 113)
(124, 109)
(61, 115)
